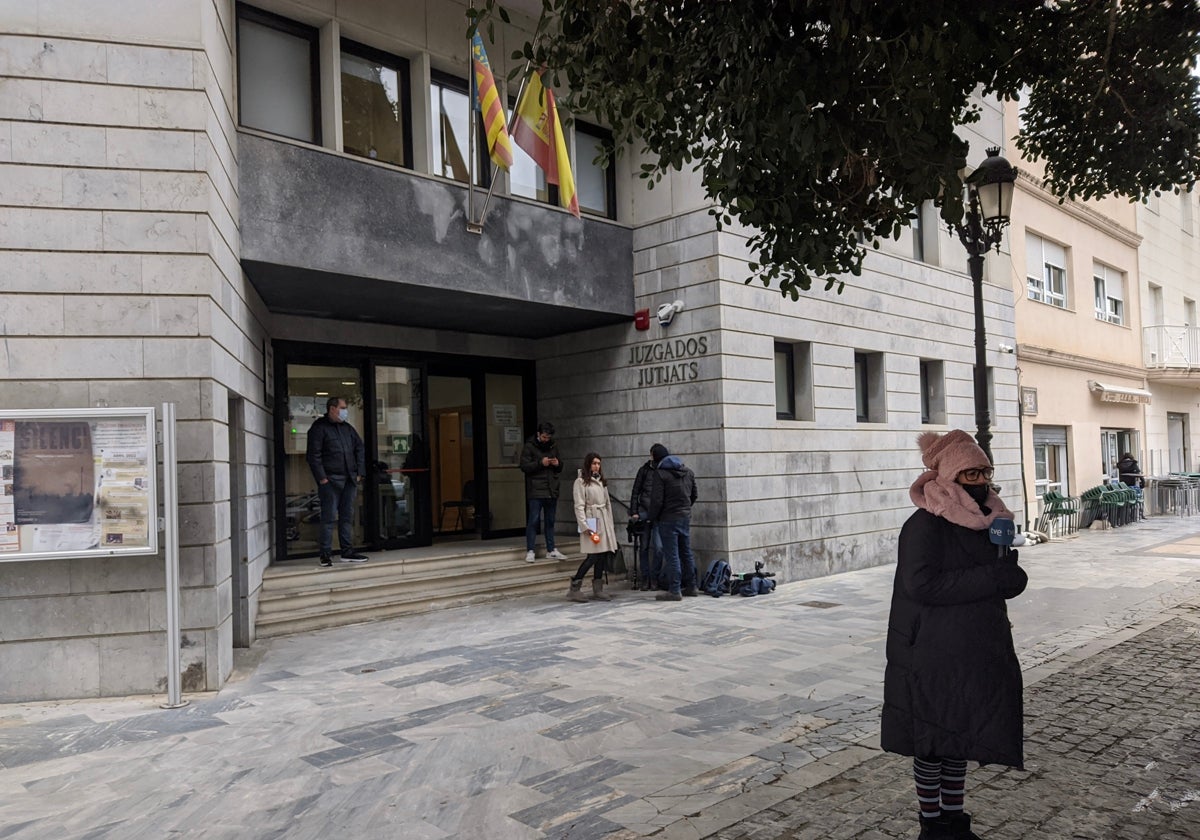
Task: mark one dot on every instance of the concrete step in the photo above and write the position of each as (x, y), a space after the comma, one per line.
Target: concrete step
(297, 598)
(342, 586)
(375, 606)
(313, 577)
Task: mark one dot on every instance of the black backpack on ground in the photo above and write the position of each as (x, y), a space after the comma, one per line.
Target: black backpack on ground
(716, 579)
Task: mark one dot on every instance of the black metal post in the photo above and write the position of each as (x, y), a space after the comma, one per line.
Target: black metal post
(983, 417)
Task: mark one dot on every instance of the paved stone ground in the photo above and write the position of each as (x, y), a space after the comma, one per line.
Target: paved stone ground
(1112, 753)
(537, 718)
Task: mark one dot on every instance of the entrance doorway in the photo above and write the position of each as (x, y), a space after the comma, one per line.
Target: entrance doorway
(1177, 437)
(1113, 444)
(442, 437)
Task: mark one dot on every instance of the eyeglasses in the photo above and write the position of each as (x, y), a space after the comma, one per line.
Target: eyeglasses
(976, 474)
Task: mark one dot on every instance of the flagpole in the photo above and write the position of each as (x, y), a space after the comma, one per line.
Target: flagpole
(496, 171)
(472, 99)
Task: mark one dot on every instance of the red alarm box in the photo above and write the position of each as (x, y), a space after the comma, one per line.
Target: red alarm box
(641, 319)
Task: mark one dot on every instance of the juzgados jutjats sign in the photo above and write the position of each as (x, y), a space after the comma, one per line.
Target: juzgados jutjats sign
(669, 361)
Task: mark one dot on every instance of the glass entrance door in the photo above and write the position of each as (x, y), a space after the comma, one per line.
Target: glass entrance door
(399, 471)
(505, 415)
(309, 387)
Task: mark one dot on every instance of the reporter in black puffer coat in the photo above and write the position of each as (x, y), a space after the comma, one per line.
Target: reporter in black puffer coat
(952, 688)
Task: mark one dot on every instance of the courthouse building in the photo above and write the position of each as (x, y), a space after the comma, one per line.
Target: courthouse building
(242, 209)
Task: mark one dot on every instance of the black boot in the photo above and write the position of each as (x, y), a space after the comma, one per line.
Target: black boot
(960, 825)
(938, 828)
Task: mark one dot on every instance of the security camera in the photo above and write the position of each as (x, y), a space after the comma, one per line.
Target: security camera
(666, 312)
(1005, 348)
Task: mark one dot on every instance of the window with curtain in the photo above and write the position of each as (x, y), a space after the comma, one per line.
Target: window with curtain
(278, 81)
(375, 109)
(1046, 270)
(1110, 293)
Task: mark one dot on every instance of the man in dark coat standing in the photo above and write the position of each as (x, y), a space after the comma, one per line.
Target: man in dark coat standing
(952, 688)
(337, 459)
(541, 465)
(651, 553)
(672, 494)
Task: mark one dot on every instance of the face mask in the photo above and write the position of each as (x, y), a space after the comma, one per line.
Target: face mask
(978, 492)
(343, 414)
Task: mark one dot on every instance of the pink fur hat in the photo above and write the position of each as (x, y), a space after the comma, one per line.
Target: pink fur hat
(951, 453)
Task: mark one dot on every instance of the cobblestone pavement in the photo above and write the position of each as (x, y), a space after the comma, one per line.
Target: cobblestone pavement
(1112, 753)
(538, 719)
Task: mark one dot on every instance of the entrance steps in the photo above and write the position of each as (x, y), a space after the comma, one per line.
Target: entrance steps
(301, 596)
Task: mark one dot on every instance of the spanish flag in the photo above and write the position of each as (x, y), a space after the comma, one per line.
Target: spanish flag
(537, 130)
(499, 146)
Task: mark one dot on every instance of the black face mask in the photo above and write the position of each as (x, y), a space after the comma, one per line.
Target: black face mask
(978, 492)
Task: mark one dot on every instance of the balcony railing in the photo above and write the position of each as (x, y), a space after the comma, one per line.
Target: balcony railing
(1171, 348)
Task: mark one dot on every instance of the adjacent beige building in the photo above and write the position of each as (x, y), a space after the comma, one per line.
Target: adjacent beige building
(1083, 389)
(1169, 261)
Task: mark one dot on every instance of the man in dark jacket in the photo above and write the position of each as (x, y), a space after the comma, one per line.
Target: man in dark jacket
(672, 494)
(541, 465)
(650, 555)
(337, 459)
(1129, 470)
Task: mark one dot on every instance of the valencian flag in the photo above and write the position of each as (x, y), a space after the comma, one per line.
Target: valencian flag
(537, 130)
(499, 146)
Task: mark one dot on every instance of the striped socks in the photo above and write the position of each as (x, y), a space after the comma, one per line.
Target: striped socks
(941, 783)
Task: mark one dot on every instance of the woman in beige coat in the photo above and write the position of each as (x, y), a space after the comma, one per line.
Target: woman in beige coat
(597, 536)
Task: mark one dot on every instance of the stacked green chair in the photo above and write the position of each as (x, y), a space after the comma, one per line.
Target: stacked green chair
(1060, 513)
(1119, 502)
(1089, 506)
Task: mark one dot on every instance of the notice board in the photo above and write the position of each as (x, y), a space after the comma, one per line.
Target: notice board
(77, 482)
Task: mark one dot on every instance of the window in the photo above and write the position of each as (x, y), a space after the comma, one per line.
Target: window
(1046, 271)
(1050, 459)
(869, 392)
(1156, 305)
(793, 381)
(1189, 312)
(450, 106)
(375, 105)
(527, 179)
(1185, 212)
(933, 391)
(918, 233)
(595, 184)
(1110, 293)
(278, 76)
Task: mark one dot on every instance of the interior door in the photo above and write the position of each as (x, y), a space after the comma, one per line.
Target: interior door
(452, 469)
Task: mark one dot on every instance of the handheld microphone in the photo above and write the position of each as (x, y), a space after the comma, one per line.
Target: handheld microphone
(1003, 534)
(1002, 531)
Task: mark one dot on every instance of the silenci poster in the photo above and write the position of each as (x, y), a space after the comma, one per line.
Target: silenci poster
(54, 472)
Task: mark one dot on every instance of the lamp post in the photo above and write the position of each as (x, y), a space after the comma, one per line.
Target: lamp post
(988, 205)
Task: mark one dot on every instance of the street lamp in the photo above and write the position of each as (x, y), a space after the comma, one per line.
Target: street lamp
(989, 203)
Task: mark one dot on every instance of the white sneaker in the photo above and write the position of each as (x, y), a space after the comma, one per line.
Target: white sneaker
(556, 555)
(529, 557)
